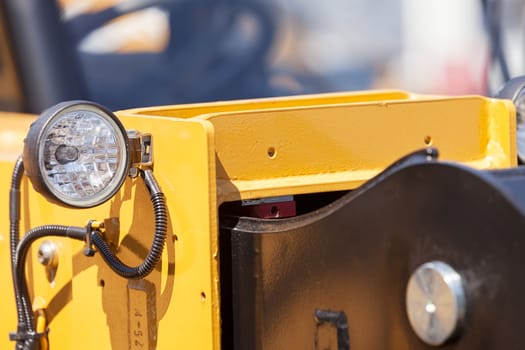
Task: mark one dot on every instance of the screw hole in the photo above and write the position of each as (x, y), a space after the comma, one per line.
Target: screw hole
(274, 210)
(203, 297)
(175, 238)
(271, 152)
(428, 140)
(102, 283)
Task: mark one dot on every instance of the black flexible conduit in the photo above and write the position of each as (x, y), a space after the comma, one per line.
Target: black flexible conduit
(26, 333)
(26, 336)
(155, 252)
(14, 219)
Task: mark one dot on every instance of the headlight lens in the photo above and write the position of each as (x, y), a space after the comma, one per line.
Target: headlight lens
(77, 154)
(514, 90)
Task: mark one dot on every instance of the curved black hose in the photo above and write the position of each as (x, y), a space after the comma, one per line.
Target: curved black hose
(26, 333)
(26, 336)
(155, 252)
(14, 218)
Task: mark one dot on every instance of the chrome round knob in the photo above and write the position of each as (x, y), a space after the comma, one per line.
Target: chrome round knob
(435, 302)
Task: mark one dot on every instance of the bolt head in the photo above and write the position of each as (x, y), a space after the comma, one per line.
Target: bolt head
(47, 254)
(435, 302)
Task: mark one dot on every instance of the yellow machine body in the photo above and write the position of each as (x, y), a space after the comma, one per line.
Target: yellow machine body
(206, 155)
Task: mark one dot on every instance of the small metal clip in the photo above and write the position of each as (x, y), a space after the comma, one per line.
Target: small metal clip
(141, 151)
(88, 247)
(24, 335)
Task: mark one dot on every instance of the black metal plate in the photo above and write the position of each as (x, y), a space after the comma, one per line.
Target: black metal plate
(357, 254)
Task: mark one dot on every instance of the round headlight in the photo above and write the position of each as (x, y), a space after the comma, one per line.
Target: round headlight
(514, 90)
(77, 154)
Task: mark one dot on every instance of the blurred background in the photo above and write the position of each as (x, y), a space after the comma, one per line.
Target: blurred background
(131, 53)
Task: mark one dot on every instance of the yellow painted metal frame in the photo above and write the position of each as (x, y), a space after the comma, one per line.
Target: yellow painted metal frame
(207, 154)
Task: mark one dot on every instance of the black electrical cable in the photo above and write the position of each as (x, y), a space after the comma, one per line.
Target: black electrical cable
(26, 336)
(14, 218)
(155, 252)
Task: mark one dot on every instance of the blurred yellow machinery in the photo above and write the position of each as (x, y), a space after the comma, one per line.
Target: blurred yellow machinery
(262, 159)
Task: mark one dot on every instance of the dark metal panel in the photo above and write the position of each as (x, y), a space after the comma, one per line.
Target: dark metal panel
(356, 256)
